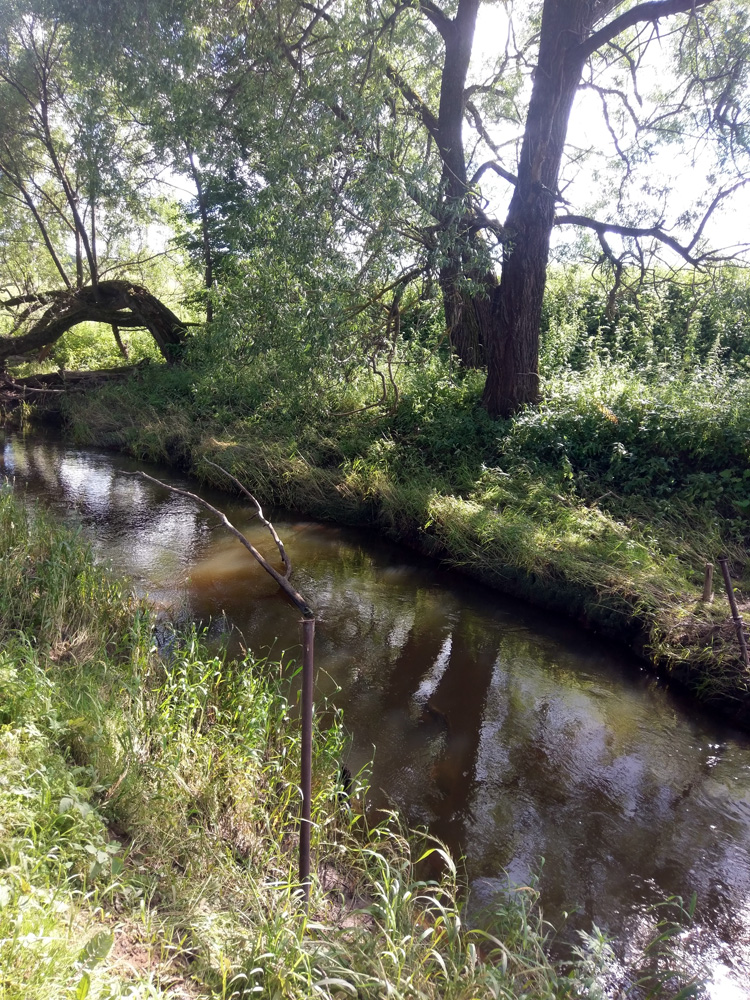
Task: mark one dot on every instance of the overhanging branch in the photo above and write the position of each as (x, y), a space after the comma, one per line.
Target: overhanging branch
(653, 10)
(500, 171)
(634, 232)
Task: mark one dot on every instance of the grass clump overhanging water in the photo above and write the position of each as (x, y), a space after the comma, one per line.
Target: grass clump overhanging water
(147, 830)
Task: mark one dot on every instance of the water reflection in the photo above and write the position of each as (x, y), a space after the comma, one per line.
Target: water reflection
(513, 734)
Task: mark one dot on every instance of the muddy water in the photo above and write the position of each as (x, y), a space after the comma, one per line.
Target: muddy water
(513, 734)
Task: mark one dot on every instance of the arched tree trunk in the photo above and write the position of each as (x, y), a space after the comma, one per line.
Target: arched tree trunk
(116, 303)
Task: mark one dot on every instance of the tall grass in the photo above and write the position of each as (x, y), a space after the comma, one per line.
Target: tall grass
(147, 824)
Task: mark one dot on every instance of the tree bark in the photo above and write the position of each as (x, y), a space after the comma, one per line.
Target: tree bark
(513, 347)
(118, 340)
(467, 312)
(208, 259)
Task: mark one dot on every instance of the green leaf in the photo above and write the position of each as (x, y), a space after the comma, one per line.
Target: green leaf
(96, 950)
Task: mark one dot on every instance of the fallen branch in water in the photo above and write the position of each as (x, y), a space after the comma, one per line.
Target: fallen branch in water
(283, 581)
(261, 517)
(308, 634)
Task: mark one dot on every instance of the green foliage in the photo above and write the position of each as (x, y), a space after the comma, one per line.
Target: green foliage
(671, 325)
(90, 346)
(658, 434)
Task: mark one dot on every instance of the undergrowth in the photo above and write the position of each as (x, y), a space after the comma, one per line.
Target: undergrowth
(147, 825)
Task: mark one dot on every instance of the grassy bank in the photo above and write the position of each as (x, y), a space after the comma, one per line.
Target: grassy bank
(604, 502)
(147, 841)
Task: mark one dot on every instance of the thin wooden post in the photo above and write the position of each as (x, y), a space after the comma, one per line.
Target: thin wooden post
(308, 639)
(708, 584)
(738, 624)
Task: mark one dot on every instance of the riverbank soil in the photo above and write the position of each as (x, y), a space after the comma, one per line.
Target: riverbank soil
(603, 503)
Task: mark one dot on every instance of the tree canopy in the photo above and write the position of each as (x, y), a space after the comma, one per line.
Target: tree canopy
(74, 169)
(387, 150)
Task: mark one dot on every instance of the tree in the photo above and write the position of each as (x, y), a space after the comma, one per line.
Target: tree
(574, 44)
(367, 114)
(571, 34)
(74, 169)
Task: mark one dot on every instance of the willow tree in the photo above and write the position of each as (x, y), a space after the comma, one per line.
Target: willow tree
(567, 45)
(387, 94)
(72, 174)
(373, 115)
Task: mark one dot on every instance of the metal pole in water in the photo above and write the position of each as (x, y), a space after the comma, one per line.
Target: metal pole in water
(308, 639)
(738, 623)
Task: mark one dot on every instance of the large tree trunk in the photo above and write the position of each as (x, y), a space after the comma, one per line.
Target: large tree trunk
(467, 313)
(513, 348)
(116, 303)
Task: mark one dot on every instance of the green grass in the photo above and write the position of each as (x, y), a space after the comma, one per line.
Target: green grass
(604, 502)
(147, 825)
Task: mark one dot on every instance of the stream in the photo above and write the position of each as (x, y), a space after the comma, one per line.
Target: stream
(510, 732)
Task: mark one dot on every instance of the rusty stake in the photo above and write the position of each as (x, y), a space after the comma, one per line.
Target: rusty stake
(308, 639)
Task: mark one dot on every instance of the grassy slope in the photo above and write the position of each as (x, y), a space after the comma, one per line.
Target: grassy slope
(146, 846)
(604, 502)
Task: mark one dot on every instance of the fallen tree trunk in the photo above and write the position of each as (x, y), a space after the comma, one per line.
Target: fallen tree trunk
(116, 303)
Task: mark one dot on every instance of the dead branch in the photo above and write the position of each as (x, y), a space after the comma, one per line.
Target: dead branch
(259, 510)
(296, 598)
(42, 388)
(636, 232)
(650, 11)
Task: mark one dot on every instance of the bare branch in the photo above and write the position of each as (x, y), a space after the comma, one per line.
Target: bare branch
(480, 127)
(279, 544)
(430, 10)
(652, 232)
(38, 299)
(296, 598)
(319, 11)
(500, 171)
(714, 204)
